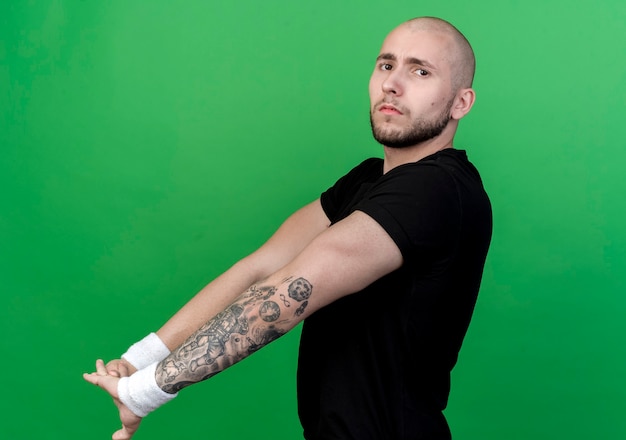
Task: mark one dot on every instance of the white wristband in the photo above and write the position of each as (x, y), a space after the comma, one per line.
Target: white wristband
(140, 392)
(143, 353)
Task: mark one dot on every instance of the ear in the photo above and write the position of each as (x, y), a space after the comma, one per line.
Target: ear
(463, 103)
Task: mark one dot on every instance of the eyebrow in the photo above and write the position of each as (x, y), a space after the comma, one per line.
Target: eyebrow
(409, 60)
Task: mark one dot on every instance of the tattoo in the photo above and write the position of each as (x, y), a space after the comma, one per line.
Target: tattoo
(263, 292)
(300, 310)
(285, 300)
(251, 322)
(300, 289)
(269, 311)
(264, 338)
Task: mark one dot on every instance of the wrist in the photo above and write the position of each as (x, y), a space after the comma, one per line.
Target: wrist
(147, 351)
(140, 392)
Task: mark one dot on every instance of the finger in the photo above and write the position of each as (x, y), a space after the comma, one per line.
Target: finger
(107, 383)
(101, 369)
(112, 367)
(123, 370)
(95, 378)
(120, 435)
(91, 378)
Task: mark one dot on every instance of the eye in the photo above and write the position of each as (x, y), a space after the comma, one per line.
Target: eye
(385, 66)
(422, 72)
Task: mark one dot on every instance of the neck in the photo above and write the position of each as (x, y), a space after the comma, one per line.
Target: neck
(399, 156)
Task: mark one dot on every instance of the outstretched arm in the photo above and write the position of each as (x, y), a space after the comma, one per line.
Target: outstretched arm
(287, 242)
(344, 259)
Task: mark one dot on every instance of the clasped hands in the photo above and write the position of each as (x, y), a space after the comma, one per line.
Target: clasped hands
(107, 377)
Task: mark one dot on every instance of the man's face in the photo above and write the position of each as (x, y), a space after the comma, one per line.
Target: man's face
(410, 89)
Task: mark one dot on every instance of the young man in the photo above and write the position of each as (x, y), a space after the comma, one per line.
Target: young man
(384, 269)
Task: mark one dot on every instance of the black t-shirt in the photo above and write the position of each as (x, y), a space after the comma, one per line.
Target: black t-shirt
(376, 364)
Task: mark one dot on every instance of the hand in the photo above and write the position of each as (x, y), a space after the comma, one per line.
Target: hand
(120, 368)
(108, 382)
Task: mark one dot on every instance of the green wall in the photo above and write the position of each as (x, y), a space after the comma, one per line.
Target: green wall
(146, 146)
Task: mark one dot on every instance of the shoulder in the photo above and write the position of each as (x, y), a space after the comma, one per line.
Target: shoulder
(369, 169)
(448, 160)
(453, 163)
(446, 170)
(342, 191)
(423, 203)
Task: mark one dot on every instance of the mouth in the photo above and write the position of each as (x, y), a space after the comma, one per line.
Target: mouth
(389, 109)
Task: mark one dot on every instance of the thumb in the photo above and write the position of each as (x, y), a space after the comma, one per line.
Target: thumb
(122, 434)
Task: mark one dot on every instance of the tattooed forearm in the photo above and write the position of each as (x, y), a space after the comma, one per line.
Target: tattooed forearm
(259, 316)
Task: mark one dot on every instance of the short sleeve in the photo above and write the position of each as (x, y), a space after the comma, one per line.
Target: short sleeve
(418, 206)
(337, 199)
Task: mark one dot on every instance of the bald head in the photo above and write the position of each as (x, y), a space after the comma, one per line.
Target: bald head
(461, 58)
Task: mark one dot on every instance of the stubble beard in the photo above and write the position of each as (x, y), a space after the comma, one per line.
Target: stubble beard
(420, 130)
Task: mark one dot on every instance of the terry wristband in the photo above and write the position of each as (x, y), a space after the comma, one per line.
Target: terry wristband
(140, 392)
(143, 353)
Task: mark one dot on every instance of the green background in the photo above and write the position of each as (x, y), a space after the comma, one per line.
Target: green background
(145, 146)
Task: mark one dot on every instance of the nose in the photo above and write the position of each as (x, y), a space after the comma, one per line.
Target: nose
(392, 84)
